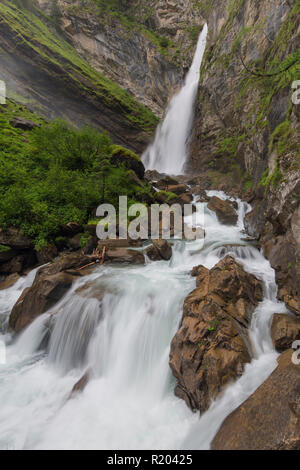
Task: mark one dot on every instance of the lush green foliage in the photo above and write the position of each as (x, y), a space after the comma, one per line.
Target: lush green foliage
(56, 174)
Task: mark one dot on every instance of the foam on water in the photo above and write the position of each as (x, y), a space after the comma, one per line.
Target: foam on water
(123, 337)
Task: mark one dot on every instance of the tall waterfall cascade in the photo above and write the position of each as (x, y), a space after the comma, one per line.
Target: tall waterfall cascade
(168, 152)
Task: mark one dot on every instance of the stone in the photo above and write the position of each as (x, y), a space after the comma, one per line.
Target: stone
(211, 347)
(284, 331)
(46, 254)
(25, 124)
(226, 214)
(270, 418)
(37, 299)
(164, 248)
(14, 239)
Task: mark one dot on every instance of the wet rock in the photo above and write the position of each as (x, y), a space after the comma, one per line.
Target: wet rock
(124, 255)
(177, 189)
(71, 229)
(153, 176)
(39, 298)
(270, 418)
(9, 281)
(46, 254)
(14, 239)
(25, 124)
(81, 384)
(211, 346)
(285, 330)
(226, 214)
(69, 261)
(161, 249)
(185, 198)
(166, 181)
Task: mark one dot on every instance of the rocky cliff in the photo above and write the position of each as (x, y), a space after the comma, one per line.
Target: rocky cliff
(245, 136)
(112, 65)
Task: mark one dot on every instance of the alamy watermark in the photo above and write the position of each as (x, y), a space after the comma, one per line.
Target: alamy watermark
(2, 353)
(296, 93)
(296, 354)
(142, 222)
(2, 92)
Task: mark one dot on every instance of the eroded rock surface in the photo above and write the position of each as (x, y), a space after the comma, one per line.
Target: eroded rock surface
(211, 346)
(270, 418)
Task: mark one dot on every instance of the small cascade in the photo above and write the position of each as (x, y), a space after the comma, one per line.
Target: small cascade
(168, 152)
(124, 339)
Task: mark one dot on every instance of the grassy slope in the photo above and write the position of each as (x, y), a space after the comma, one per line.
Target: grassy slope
(43, 186)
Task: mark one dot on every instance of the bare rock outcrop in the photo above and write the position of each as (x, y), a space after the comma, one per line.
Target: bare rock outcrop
(270, 418)
(285, 330)
(210, 348)
(226, 213)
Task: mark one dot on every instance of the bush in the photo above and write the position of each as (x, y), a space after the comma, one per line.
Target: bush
(55, 175)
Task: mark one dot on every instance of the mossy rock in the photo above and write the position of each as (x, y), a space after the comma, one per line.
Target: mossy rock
(122, 156)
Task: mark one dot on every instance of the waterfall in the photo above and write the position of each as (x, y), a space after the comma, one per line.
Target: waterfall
(122, 335)
(168, 152)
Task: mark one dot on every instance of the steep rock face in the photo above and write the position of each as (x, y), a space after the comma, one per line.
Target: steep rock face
(270, 418)
(211, 346)
(92, 64)
(126, 56)
(247, 126)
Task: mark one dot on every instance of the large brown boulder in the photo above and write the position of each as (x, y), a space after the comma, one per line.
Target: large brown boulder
(210, 348)
(39, 298)
(14, 239)
(124, 255)
(285, 330)
(177, 189)
(70, 261)
(226, 214)
(161, 249)
(270, 418)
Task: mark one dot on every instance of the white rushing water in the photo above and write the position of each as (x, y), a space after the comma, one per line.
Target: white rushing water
(168, 152)
(124, 339)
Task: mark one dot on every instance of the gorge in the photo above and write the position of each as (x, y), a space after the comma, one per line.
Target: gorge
(138, 344)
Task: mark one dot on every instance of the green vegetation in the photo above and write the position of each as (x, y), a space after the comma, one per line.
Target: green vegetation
(33, 32)
(54, 174)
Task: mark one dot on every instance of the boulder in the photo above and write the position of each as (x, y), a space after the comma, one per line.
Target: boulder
(14, 239)
(177, 189)
(211, 348)
(71, 229)
(9, 281)
(270, 418)
(46, 254)
(37, 299)
(166, 181)
(285, 330)
(81, 384)
(14, 265)
(226, 214)
(70, 261)
(153, 253)
(24, 124)
(185, 198)
(161, 249)
(124, 255)
(122, 156)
